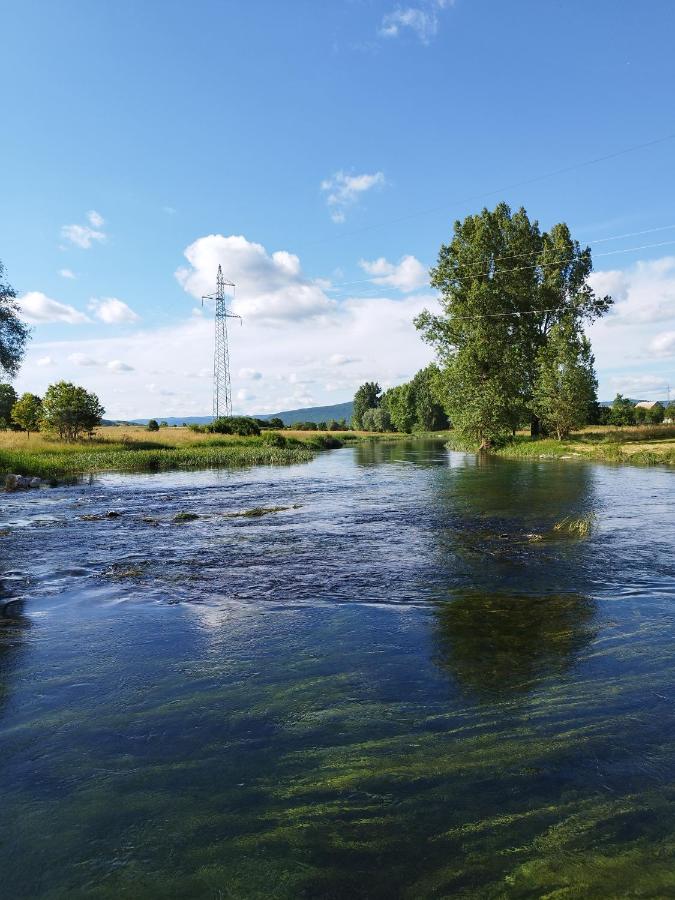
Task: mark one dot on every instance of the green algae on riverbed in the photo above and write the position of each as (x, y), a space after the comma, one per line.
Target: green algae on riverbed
(389, 693)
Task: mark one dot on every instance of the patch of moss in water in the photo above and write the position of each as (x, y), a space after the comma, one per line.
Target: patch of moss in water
(257, 512)
(185, 517)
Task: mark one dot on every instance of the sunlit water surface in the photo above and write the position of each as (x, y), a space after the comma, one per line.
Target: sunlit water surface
(404, 684)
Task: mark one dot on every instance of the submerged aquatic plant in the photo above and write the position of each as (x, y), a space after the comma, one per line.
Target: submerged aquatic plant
(576, 527)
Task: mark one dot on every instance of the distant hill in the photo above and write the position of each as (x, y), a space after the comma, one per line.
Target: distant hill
(314, 413)
(288, 417)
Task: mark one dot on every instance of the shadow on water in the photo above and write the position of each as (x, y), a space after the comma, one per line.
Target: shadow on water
(499, 646)
(422, 453)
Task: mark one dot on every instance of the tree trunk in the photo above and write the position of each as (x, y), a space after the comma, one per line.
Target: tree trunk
(535, 426)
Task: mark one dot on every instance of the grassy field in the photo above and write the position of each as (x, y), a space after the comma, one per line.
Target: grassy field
(639, 445)
(131, 448)
(134, 449)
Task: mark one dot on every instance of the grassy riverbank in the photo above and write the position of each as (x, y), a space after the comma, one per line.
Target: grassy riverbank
(134, 449)
(638, 445)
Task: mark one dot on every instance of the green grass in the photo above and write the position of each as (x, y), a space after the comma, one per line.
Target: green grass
(651, 445)
(82, 458)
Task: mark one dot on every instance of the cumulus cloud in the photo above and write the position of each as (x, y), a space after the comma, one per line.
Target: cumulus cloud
(270, 287)
(67, 273)
(638, 385)
(643, 294)
(116, 365)
(113, 311)
(339, 359)
(37, 308)
(85, 235)
(81, 359)
(422, 20)
(408, 274)
(250, 374)
(44, 361)
(343, 191)
(663, 344)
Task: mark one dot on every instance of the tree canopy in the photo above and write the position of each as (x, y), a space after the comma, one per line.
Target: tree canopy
(367, 397)
(8, 398)
(70, 410)
(27, 412)
(13, 332)
(505, 285)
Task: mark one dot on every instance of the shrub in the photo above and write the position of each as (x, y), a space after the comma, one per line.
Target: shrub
(241, 425)
(153, 425)
(273, 439)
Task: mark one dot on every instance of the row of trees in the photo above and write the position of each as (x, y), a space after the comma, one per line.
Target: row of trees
(414, 406)
(624, 412)
(66, 409)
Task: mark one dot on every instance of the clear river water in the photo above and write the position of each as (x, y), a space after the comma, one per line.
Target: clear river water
(402, 684)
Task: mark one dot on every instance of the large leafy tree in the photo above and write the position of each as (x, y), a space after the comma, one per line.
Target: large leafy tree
(13, 332)
(417, 405)
(368, 396)
(504, 286)
(565, 386)
(27, 412)
(70, 410)
(8, 398)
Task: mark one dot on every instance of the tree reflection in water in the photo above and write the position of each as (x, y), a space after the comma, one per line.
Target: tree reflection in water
(501, 645)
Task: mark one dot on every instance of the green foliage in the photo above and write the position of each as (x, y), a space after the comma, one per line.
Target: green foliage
(304, 426)
(13, 332)
(376, 420)
(622, 412)
(27, 412)
(70, 410)
(241, 425)
(565, 383)
(8, 398)
(669, 412)
(656, 414)
(417, 405)
(273, 439)
(153, 425)
(276, 422)
(499, 312)
(368, 396)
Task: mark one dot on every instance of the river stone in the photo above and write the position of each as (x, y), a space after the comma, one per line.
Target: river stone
(19, 482)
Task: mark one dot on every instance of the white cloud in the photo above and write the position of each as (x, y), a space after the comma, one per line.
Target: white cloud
(243, 394)
(297, 353)
(44, 361)
(81, 359)
(344, 190)
(67, 273)
(113, 311)
(270, 287)
(37, 308)
(95, 218)
(407, 275)
(116, 365)
(84, 235)
(643, 294)
(663, 344)
(638, 385)
(421, 20)
(250, 374)
(339, 359)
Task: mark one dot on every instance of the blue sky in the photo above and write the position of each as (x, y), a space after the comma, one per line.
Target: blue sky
(320, 151)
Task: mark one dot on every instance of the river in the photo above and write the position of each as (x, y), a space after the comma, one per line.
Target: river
(401, 683)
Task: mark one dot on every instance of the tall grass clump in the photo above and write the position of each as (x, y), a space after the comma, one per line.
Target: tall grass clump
(576, 526)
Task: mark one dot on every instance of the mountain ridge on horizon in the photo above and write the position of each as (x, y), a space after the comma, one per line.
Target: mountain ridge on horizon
(289, 416)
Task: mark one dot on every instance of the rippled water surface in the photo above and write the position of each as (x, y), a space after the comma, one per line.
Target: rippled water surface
(403, 683)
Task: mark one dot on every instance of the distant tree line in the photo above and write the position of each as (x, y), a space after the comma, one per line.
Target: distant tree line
(414, 406)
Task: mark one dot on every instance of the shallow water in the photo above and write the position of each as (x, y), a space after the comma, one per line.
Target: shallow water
(404, 684)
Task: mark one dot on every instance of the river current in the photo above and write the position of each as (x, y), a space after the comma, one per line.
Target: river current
(392, 677)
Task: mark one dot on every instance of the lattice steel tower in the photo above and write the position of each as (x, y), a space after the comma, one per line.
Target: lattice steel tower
(222, 392)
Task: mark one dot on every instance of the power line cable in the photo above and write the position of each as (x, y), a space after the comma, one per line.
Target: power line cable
(561, 171)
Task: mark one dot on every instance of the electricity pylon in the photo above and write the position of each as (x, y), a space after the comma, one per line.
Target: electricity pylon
(222, 391)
